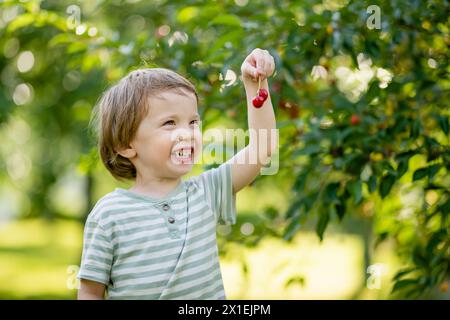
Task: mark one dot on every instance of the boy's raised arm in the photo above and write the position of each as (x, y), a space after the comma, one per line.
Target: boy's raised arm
(247, 163)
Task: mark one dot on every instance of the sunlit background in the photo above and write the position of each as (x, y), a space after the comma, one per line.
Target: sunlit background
(359, 208)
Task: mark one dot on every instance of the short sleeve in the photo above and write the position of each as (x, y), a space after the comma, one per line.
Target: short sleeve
(218, 186)
(97, 256)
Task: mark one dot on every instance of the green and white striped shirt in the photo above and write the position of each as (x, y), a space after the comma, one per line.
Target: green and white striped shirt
(160, 248)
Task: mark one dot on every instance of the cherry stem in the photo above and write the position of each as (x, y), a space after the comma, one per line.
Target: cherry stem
(259, 83)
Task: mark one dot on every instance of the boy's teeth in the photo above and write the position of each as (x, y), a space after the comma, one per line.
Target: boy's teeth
(183, 153)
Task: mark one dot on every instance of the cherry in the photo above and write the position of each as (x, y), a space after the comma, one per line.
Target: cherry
(382, 126)
(231, 113)
(444, 286)
(276, 87)
(258, 101)
(282, 103)
(336, 151)
(355, 120)
(263, 94)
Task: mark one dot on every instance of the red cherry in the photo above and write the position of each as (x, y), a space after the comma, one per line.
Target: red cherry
(258, 102)
(282, 103)
(355, 120)
(294, 111)
(263, 94)
(382, 126)
(276, 87)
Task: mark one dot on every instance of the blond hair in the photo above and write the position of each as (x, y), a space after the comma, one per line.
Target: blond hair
(120, 110)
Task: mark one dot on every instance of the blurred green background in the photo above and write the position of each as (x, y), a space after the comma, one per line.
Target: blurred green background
(360, 206)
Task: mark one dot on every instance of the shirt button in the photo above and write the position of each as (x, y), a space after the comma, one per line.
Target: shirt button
(171, 220)
(165, 207)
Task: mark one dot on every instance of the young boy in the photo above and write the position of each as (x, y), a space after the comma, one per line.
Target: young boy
(157, 240)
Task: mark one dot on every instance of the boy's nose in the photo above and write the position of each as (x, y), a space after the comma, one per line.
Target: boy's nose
(183, 135)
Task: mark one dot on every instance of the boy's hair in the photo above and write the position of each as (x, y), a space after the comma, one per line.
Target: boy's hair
(121, 109)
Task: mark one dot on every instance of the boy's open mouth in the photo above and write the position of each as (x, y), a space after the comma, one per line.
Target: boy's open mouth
(183, 155)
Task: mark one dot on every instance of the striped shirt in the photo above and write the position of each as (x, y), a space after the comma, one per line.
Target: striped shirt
(160, 248)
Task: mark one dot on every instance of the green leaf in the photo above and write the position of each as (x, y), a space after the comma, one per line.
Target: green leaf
(291, 229)
(434, 240)
(402, 284)
(402, 167)
(356, 163)
(415, 129)
(443, 123)
(399, 125)
(355, 189)
(431, 142)
(373, 91)
(324, 217)
(295, 280)
(386, 184)
(232, 37)
(420, 173)
(419, 257)
(308, 150)
(372, 183)
(227, 20)
(61, 38)
(402, 273)
(445, 207)
(330, 193)
(300, 181)
(341, 102)
(340, 209)
(56, 20)
(22, 21)
(344, 134)
(297, 216)
(310, 200)
(186, 14)
(406, 155)
(380, 238)
(293, 209)
(349, 47)
(432, 170)
(432, 186)
(76, 47)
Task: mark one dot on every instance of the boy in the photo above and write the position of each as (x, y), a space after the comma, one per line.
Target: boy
(157, 240)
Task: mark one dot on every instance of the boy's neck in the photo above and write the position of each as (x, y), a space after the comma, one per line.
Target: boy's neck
(155, 187)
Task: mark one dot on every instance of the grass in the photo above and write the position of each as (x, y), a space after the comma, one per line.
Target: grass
(36, 257)
(303, 269)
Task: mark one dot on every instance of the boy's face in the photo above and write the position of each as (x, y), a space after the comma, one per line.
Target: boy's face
(169, 138)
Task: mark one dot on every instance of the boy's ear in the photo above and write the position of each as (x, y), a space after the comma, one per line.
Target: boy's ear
(127, 153)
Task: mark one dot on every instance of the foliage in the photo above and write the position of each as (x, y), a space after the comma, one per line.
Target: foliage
(330, 67)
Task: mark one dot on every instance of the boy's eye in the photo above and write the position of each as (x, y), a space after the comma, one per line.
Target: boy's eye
(195, 121)
(170, 122)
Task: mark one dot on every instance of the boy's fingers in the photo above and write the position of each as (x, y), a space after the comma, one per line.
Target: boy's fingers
(270, 63)
(248, 69)
(261, 64)
(270, 67)
(268, 70)
(258, 56)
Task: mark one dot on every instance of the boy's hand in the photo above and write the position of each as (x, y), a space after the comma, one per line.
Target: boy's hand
(259, 63)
